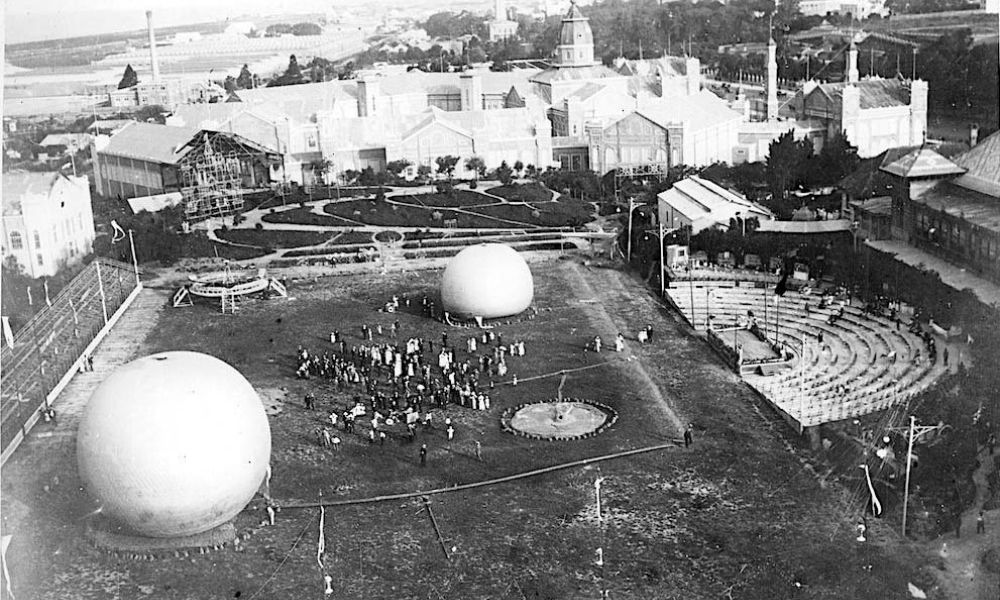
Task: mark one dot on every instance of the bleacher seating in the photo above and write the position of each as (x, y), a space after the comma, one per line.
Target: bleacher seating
(864, 364)
(48, 345)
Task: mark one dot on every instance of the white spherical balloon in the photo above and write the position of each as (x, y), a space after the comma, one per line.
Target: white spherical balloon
(487, 280)
(174, 444)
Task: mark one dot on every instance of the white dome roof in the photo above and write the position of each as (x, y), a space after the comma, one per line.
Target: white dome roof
(488, 281)
(174, 444)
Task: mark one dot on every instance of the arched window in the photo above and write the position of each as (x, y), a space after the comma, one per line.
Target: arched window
(16, 243)
(38, 240)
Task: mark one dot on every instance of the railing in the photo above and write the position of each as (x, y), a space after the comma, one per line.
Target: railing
(51, 344)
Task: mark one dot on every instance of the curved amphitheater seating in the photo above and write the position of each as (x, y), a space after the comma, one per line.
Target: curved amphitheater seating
(863, 365)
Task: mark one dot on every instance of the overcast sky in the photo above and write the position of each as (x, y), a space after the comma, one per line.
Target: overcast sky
(28, 20)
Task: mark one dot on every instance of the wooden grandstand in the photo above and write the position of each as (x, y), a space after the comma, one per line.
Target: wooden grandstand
(865, 363)
(52, 343)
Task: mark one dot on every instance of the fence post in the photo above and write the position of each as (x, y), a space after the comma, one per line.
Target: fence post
(100, 286)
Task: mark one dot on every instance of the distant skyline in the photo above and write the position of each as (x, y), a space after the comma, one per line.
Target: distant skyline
(36, 20)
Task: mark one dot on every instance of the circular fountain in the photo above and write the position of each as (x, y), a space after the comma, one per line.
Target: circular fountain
(558, 419)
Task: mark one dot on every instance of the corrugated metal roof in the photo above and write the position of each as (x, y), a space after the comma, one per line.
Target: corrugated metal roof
(575, 74)
(698, 198)
(150, 142)
(872, 93)
(982, 164)
(805, 227)
(922, 162)
(972, 206)
(700, 111)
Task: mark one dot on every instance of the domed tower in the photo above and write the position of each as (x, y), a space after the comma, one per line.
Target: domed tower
(576, 40)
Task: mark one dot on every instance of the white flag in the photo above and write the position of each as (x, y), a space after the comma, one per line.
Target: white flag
(876, 505)
(3, 555)
(321, 541)
(8, 335)
(119, 232)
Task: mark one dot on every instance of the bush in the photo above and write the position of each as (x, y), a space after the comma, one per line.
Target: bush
(473, 184)
(259, 226)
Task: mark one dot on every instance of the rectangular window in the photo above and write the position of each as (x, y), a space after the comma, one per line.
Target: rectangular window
(40, 259)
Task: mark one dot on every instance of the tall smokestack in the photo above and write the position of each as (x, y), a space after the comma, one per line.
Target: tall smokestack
(152, 47)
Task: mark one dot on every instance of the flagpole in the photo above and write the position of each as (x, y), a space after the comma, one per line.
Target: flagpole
(135, 262)
(100, 287)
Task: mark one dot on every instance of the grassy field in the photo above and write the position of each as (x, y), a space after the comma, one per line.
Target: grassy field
(735, 516)
(274, 238)
(304, 216)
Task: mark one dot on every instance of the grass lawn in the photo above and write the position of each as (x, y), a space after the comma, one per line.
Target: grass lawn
(197, 245)
(276, 238)
(523, 192)
(303, 216)
(455, 199)
(736, 512)
(551, 214)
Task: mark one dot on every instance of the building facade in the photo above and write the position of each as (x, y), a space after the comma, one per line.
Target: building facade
(950, 208)
(48, 222)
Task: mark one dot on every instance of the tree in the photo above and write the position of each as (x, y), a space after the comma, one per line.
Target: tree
(396, 167)
(837, 158)
(446, 165)
(277, 29)
(230, 84)
(424, 172)
(321, 168)
(504, 173)
(291, 76)
(785, 161)
(245, 79)
(518, 167)
(129, 78)
(306, 29)
(477, 165)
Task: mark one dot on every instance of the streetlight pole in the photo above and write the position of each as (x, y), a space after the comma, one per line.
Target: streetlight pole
(628, 250)
(663, 285)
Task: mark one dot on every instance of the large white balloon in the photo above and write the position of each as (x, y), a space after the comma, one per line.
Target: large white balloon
(487, 280)
(174, 444)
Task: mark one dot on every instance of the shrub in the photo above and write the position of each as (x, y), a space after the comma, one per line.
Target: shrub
(259, 226)
(473, 184)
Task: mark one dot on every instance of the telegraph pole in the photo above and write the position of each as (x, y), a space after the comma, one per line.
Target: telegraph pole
(663, 284)
(628, 251)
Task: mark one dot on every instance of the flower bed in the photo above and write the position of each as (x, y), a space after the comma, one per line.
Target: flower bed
(303, 216)
(274, 238)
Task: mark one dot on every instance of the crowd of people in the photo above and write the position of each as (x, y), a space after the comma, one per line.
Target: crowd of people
(401, 381)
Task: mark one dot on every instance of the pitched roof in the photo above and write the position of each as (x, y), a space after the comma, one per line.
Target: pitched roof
(698, 198)
(700, 111)
(872, 93)
(982, 164)
(18, 184)
(65, 139)
(805, 227)
(556, 74)
(969, 205)
(150, 142)
(922, 162)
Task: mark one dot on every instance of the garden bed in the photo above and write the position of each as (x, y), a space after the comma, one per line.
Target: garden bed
(197, 245)
(524, 192)
(453, 199)
(303, 216)
(346, 249)
(274, 238)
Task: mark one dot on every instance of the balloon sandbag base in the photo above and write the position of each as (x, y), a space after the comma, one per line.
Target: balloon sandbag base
(107, 535)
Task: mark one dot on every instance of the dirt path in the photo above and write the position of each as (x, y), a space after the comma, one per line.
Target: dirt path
(608, 288)
(964, 577)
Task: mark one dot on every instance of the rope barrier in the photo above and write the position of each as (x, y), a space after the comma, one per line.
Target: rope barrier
(478, 484)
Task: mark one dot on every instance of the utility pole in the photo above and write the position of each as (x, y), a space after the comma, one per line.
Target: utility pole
(663, 285)
(914, 431)
(600, 525)
(909, 461)
(628, 251)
